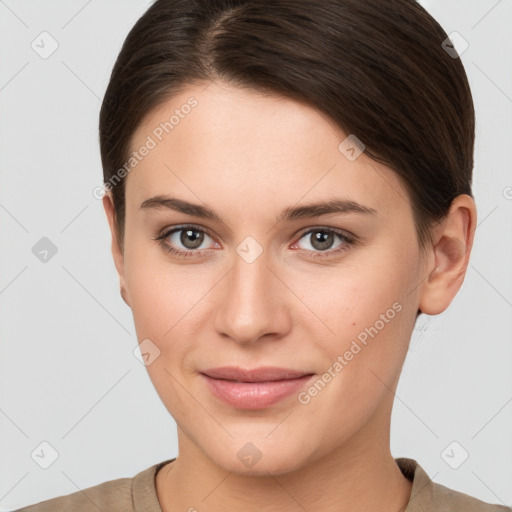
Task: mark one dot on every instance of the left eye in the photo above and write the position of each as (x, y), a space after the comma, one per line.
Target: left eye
(323, 239)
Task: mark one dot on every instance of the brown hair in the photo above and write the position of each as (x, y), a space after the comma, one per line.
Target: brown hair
(378, 70)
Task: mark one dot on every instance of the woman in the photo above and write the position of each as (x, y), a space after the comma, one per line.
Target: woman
(288, 186)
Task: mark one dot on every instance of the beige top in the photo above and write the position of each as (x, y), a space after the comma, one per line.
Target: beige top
(138, 494)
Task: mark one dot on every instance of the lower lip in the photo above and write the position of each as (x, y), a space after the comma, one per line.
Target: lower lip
(255, 395)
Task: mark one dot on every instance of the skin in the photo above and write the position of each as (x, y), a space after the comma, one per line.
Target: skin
(248, 156)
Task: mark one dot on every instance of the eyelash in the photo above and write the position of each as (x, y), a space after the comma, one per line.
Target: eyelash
(347, 240)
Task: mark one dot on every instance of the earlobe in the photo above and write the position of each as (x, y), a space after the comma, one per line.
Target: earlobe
(117, 251)
(124, 296)
(453, 241)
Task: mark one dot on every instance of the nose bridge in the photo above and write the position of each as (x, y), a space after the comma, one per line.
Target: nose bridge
(250, 305)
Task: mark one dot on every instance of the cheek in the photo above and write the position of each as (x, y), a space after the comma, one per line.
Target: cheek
(352, 298)
(160, 293)
(364, 356)
(162, 302)
(370, 312)
(168, 306)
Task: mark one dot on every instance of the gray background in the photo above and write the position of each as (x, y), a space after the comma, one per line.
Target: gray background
(68, 375)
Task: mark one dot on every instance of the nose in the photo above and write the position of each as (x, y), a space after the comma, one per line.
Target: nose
(251, 304)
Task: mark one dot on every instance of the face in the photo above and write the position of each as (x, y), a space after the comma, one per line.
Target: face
(247, 275)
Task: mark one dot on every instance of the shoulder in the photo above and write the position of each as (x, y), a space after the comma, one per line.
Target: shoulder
(428, 496)
(119, 495)
(449, 500)
(110, 495)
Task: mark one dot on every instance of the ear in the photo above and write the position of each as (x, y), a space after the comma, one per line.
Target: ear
(117, 250)
(453, 241)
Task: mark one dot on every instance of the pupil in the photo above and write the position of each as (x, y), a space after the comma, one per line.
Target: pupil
(322, 240)
(189, 240)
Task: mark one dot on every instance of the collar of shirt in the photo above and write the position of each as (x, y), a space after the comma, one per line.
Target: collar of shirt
(426, 496)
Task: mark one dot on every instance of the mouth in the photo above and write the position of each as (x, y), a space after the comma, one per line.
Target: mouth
(256, 388)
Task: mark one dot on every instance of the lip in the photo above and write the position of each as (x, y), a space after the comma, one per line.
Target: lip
(256, 388)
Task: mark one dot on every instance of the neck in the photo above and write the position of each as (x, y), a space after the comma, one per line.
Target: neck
(359, 475)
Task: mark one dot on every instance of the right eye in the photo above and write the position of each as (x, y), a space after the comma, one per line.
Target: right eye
(190, 237)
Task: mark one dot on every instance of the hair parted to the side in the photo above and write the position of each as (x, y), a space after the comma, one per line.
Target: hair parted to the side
(377, 69)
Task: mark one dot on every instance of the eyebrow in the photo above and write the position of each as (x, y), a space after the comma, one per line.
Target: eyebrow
(291, 213)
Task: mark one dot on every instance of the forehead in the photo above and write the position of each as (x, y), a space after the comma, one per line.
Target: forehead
(225, 143)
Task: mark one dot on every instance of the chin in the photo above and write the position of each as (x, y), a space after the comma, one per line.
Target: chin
(260, 457)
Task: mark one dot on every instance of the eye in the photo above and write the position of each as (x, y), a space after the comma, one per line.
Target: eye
(184, 240)
(323, 240)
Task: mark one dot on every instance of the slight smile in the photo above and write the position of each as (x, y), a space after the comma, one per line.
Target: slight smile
(256, 388)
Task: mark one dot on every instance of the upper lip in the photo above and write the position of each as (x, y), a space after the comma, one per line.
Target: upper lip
(262, 374)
